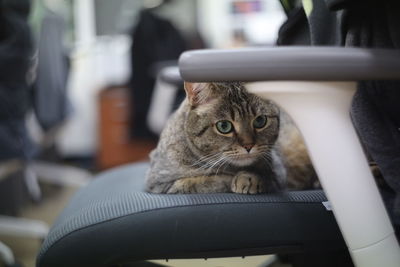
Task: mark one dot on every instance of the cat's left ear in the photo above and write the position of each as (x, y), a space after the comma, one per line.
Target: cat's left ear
(197, 93)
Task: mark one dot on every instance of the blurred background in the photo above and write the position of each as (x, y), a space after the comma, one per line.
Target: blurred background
(87, 85)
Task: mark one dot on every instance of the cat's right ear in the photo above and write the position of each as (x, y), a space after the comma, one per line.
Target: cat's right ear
(196, 93)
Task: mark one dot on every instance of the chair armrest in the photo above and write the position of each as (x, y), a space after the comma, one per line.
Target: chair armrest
(170, 75)
(290, 63)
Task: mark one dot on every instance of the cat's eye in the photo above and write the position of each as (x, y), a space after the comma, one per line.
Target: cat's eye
(260, 121)
(224, 126)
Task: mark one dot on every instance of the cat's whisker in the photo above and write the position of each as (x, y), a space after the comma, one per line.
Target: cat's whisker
(267, 154)
(208, 165)
(225, 160)
(210, 162)
(205, 159)
(226, 165)
(218, 161)
(266, 148)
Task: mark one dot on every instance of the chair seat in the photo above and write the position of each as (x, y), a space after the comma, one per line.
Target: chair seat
(113, 221)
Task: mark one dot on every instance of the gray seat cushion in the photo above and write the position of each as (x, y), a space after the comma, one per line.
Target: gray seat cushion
(113, 221)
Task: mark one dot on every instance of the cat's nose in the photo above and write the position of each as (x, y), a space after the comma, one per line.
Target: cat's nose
(248, 147)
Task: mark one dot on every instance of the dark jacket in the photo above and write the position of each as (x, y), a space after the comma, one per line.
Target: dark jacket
(15, 55)
(154, 40)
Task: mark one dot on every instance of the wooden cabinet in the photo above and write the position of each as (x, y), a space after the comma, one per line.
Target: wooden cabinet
(116, 147)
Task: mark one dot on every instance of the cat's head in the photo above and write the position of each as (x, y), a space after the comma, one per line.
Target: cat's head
(226, 124)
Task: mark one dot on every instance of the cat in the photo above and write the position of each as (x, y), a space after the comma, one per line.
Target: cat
(224, 139)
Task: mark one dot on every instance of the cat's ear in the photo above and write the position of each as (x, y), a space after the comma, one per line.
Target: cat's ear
(197, 93)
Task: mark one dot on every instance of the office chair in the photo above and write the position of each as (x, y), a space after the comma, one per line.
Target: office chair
(113, 222)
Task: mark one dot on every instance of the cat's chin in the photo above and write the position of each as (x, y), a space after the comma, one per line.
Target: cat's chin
(243, 160)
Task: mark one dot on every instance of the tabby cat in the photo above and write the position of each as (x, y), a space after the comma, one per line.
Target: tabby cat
(224, 139)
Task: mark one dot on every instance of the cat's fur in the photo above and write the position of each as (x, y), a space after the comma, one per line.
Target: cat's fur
(192, 156)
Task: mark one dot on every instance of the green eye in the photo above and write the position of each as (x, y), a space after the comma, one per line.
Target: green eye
(224, 127)
(260, 122)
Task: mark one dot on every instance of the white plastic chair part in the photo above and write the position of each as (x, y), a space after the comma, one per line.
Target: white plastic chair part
(170, 74)
(6, 255)
(162, 101)
(23, 227)
(161, 105)
(32, 183)
(383, 253)
(294, 63)
(59, 174)
(321, 110)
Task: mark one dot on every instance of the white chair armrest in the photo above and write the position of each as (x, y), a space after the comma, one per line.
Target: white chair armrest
(290, 63)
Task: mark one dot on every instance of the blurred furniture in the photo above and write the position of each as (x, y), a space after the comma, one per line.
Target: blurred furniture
(110, 223)
(116, 146)
(16, 184)
(165, 99)
(19, 174)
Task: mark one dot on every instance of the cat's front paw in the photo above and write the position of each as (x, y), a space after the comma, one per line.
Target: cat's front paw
(183, 186)
(248, 183)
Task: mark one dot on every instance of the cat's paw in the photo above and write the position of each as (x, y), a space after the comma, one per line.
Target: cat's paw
(183, 186)
(248, 183)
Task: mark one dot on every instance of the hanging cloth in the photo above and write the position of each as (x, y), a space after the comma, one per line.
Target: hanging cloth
(154, 40)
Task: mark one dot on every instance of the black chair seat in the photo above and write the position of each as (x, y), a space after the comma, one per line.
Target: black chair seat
(112, 221)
